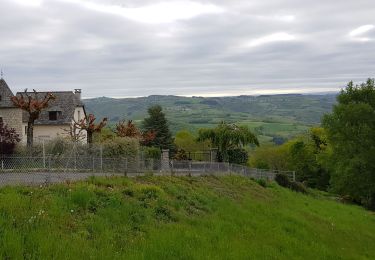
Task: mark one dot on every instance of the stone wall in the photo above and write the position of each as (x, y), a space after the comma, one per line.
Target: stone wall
(13, 118)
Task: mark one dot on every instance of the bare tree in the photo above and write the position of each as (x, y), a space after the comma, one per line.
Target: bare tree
(33, 105)
(129, 129)
(88, 124)
(75, 134)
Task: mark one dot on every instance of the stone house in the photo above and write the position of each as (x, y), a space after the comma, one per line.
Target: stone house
(54, 121)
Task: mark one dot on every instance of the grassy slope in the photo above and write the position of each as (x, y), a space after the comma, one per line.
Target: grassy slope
(185, 218)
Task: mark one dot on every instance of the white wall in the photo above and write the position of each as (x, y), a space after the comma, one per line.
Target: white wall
(48, 132)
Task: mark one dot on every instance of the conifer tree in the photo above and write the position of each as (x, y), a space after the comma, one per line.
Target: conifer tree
(158, 124)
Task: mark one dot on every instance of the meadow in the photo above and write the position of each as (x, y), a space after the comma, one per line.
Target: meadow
(150, 217)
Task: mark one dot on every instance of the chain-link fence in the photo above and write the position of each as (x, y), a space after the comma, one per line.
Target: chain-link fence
(51, 169)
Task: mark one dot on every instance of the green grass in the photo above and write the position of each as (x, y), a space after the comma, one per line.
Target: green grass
(179, 218)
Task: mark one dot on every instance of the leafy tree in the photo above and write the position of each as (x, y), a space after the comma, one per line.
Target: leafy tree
(270, 157)
(188, 142)
(302, 160)
(106, 134)
(157, 123)
(226, 137)
(8, 139)
(33, 105)
(308, 155)
(351, 133)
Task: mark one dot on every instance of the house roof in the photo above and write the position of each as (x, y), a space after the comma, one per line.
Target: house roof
(65, 103)
(6, 95)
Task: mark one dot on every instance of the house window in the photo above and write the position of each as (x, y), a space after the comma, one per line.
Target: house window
(1, 120)
(54, 115)
(0, 97)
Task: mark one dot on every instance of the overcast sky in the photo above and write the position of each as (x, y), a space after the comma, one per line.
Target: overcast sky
(207, 48)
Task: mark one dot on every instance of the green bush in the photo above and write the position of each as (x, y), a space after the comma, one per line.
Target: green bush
(298, 187)
(262, 182)
(152, 152)
(58, 146)
(238, 156)
(282, 180)
(121, 147)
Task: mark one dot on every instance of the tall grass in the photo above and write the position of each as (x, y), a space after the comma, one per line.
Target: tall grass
(179, 218)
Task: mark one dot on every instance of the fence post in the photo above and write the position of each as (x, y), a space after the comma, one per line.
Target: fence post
(49, 163)
(189, 168)
(44, 155)
(172, 167)
(294, 175)
(101, 158)
(126, 167)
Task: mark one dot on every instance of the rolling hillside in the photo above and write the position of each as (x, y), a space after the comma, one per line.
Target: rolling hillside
(269, 115)
(179, 218)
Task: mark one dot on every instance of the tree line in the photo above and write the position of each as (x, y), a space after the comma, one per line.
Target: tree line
(337, 156)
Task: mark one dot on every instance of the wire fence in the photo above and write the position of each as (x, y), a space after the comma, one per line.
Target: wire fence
(51, 169)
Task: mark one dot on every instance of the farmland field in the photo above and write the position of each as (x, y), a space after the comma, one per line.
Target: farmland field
(270, 116)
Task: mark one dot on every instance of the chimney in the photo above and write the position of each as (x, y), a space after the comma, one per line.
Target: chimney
(78, 92)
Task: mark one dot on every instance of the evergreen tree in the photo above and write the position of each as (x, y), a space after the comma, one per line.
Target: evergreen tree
(157, 123)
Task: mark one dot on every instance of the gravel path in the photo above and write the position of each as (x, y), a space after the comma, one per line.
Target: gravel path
(37, 178)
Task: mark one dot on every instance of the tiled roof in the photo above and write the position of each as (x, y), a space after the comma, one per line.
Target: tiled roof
(65, 102)
(5, 95)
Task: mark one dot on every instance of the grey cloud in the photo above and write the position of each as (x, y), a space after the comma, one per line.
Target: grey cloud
(62, 45)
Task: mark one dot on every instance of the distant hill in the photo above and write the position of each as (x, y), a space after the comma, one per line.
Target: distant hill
(270, 115)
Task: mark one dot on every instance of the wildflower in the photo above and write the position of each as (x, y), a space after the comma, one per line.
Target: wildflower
(32, 219)
(71, 211)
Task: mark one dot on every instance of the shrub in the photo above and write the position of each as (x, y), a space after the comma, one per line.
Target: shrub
(121, 147)
(152, 152)
(9, 139)
(282, 180)
(262, 182)
(238, 156)
(181, 155)
(298, 187)
(58, 146)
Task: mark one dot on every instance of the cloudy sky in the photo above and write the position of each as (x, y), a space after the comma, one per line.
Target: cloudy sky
(122, 48)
